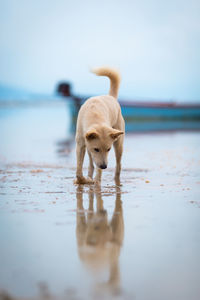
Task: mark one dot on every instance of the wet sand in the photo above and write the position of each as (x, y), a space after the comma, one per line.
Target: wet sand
(61, 241)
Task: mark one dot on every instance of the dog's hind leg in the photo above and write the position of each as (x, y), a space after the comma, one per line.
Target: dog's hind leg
(118, 147)
(97, 179)
(91, 166)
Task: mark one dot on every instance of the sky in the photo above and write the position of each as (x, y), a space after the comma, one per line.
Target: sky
(155, 45)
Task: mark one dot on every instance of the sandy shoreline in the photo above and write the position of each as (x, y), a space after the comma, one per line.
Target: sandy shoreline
(150, 239)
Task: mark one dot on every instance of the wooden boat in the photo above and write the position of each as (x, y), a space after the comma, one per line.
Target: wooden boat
(144, 116)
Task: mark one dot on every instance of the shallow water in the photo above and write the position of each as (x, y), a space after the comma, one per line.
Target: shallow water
(61, 241)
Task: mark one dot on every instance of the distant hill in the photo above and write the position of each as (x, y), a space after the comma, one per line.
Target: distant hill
(9, 93)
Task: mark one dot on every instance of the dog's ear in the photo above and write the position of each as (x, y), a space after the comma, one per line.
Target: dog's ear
(115, 134)
(91, 135)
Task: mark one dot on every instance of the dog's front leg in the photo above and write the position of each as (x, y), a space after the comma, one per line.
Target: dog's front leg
(80, 153)
(118, 147)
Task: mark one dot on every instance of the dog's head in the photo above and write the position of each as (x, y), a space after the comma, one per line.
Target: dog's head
(99, 141)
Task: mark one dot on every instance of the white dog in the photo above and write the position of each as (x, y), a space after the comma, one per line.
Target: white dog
(99, 126)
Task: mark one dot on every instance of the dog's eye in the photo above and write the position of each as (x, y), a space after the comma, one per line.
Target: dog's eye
(109, 149)
(96, 149)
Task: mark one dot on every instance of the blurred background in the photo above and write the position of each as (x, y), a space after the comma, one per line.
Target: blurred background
(155, 45)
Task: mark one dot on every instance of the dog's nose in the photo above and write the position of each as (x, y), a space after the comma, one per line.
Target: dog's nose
(103, 166)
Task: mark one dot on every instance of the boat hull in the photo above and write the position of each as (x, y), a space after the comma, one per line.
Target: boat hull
(147, 117)
(160, 113)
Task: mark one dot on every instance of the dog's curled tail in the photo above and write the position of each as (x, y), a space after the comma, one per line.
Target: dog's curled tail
(114, 77)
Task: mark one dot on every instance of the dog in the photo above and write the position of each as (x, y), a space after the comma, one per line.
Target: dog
(100, 125)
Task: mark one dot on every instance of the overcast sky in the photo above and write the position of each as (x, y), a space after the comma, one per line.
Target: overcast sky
(155, 44)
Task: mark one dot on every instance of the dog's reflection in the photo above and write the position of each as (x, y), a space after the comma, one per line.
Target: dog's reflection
(99, 240)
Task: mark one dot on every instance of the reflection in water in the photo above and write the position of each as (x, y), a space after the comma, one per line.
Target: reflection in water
(99, 240)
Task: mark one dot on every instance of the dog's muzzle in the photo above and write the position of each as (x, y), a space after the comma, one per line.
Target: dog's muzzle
(103, 166)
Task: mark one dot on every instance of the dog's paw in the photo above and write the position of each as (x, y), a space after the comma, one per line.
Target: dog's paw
(83, 180)
(97, 182)
(89, 180)
(117, 181)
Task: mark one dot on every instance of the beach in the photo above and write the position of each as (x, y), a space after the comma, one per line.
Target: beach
(140, 240)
